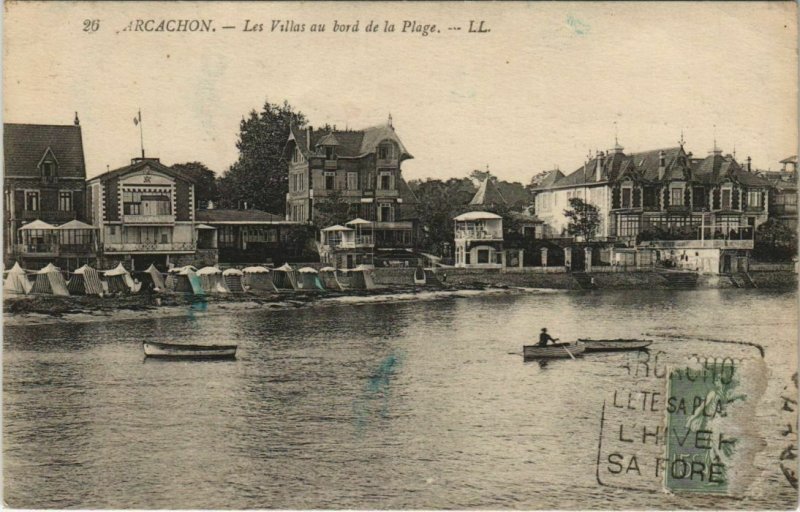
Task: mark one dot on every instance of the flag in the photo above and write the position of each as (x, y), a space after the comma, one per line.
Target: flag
(138, 118)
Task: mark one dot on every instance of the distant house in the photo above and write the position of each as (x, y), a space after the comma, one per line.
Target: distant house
(44, 184)
(664, 189)
(479, 240)
(363, 168)
(146, 215)
(251, 236)
(783, 196)
(488, 195)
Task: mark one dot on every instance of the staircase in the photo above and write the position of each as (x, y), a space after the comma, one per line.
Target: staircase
(742, 280)
(584, 280)
(681, 280)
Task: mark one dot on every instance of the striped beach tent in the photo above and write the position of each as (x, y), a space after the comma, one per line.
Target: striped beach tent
(119, 280)
(308, 280)
(258, 279)
(212, 280)
(284, 277)
(329, 280)
(233, 280)
(16, 282)
(151, 279)
(361, 278)
(49, 281)
(85, 281)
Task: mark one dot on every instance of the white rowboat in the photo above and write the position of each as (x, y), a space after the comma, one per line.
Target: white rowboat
(179, 351)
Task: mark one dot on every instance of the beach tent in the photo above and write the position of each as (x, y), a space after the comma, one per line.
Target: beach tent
(284, 277)
(361, 278)
(258, 279)
(308, 280)
(120, 281)
(212, 281)
(85, 281)
(49, 281)
(16, 281)
(184, 280)
(151, 279)
(233, 280)
(329, 280)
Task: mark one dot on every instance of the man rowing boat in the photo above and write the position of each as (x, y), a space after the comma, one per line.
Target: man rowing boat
(544, 338)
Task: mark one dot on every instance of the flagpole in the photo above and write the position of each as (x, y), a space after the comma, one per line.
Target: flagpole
(141, 132)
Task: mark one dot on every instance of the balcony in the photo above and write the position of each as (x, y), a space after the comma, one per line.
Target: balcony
(134, 220)
(699, 244)
(678, 208)
(330, 165)
(386, 192)
(149, 247)
(470, 234)
(50, 216)
(55, 250)
(386, 162)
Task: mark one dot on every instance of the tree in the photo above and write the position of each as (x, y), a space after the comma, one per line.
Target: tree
(261, 176)
(774, 241)
(333, 210)
(584, 218)
(205, 181)
(478, 176)
(438, 203)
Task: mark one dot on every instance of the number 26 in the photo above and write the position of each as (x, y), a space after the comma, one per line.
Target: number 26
(91, 25)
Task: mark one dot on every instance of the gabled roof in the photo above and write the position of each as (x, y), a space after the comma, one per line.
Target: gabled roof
(488, 194)
(550, 178)
(36, 224)
(231, 216)
(716, 168)
(76, 224)
(140, 163)
(349, 143)
(790, 160)
(26, 144)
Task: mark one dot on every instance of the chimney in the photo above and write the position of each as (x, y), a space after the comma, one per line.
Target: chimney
(662, 164)
(598, 173)
(389, 122)
(308, 138)
(748, 165)
(77, 121)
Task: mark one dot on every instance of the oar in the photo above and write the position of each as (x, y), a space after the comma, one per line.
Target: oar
(568, 352)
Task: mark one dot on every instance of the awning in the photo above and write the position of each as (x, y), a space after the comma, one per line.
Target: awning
(204, 226)
(337, 227)
(36, 224)
(76, 224)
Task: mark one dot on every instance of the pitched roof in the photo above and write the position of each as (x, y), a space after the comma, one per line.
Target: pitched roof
(715, 168)
(790, 160)
(550, 178)
(140, 163)
(406, 194)
(514, 193)
(26, 144)
(349, 143)
(231, 216)
(488, 194)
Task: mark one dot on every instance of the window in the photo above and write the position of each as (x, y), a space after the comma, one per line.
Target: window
(699, 197)
(65, 201)
(676, 196)
(330, 180)
(483, 256)
(164, 238)
(754, 199)
(385, 181)
(32, 201)
(297, 156)
(385, 152)
(146, 202)
(626, 197)
(385, 213)
(628, 226)
(352, 181)
(330, 152)
(726, 198)
(112, 230)
(48, 169)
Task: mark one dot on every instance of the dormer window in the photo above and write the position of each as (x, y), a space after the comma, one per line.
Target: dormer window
(385, 151)
(48, 165)
(48, 169)
(330, 152)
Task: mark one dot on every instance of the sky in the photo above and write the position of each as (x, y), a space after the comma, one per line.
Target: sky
(547, 84)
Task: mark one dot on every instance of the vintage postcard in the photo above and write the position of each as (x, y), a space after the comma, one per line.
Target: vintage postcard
(389, 255)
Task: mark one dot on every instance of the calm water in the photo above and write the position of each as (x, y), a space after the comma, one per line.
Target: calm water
(416, 404)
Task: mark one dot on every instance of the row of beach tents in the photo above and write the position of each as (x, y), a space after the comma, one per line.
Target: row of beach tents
(208, 280)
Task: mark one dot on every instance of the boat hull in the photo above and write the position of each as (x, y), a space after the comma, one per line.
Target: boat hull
(617, 345)
(556, 351)
(176, 351)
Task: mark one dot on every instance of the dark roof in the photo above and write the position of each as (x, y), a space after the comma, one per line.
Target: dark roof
(514, 193)
(406, 194)
(645, 166)
(550, 178)
(349, 143)
(26, 144)
(488, 194)
(223, 215)
(140, 163)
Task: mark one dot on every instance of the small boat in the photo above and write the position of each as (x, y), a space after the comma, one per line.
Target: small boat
(180, 351)
(556, 350)
(615, 345)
